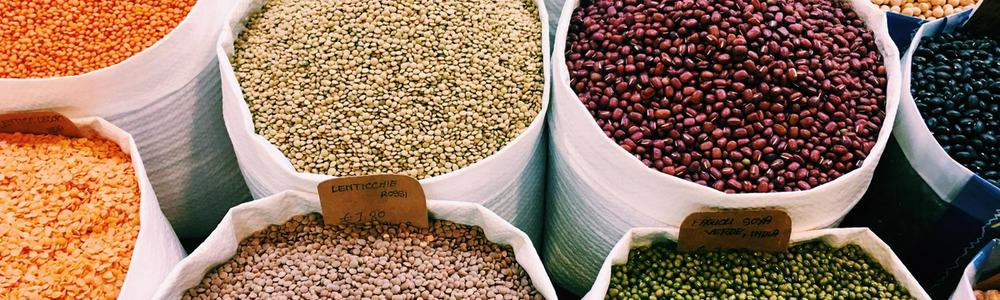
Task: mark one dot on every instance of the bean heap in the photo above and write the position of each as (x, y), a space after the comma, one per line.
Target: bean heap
(811, 270)
(303, 259)
(413, 87)
(988, 295)
(65, 38)
(738, 95)
(925, 9)
(956, 85)
(69, 217)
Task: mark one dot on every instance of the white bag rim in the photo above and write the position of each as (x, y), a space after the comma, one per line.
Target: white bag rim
(525, 253)
(965, 289)
(245, 124)
(151, 81)
(619, 256)
(561, 81)
(148, 204)
(136, 61)
(947, 186)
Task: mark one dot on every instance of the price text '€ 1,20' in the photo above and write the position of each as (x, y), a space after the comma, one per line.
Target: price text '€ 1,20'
(373, 214)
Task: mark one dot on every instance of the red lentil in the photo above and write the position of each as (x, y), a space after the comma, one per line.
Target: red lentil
(70, 37)
(69, 217)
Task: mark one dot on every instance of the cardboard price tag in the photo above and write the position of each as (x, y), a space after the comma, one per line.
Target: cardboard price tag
(756, 230)
(376, 198)
(38, 122)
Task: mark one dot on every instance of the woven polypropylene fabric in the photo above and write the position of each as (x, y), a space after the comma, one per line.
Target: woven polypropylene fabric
(510, 182)
(168, 97)
(188, 155)
(597, 191)
(245, 219)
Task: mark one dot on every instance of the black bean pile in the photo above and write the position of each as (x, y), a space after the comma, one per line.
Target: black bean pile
(811, 270)
(956, 85)
(739, 95)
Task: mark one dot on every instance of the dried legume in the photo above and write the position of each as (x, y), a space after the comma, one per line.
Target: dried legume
(956, 85)
(64, 38)
(415, 87)
(987, 295)
(69, 217)
(738, 95)
(303, 259)
(810, 270)
(925, 9)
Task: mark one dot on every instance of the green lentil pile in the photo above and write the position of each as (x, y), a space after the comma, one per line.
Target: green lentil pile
(811, 270)
(413, 87)
(305, 259)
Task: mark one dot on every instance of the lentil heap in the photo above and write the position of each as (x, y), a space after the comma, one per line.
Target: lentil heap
(303, 258)
(956, 85)
(987, 295)
(738, 95)
(924, 9)
(413, 87)
(65, 38)
(69, 217)
(811, 270)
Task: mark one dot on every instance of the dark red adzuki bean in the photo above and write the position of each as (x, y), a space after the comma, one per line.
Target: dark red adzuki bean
(741, 96)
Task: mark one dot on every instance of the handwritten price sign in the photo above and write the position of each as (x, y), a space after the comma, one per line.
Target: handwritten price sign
(38, 122)
(361, 218)
(377, 198)
(759, 230)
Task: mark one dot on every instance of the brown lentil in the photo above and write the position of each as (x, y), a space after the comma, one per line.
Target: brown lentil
(738, 95)
(303, 259)
(69, 217)
(413, 87)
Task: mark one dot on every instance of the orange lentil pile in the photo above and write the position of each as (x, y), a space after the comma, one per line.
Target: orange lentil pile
(49, 38)
(69, 217)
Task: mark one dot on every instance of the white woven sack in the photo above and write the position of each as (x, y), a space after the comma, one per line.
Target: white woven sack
(167, 96)
(554, 7)
(942, 173)
(985, 262)
(864, 238)
(597, 190)
(157, 249)
(965, 291)
(245, 219)
(510, 182)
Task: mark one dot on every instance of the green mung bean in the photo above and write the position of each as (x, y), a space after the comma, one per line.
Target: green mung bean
(811, 270)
